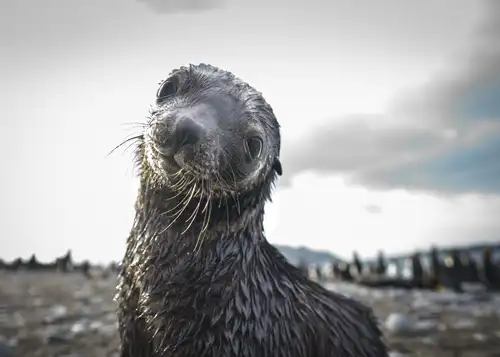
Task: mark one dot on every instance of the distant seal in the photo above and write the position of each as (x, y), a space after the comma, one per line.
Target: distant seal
(199, 277)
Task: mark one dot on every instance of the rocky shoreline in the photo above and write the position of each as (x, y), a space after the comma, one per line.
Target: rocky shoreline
(45, 314)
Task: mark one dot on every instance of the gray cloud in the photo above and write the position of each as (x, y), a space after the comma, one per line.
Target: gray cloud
(443, 136)
(176, 6)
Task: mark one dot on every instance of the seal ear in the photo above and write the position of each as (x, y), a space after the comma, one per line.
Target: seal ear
(277, 167)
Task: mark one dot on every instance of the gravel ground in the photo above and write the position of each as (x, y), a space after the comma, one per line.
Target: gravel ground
(49, 315)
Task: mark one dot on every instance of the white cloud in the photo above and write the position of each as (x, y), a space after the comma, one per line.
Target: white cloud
(327, 213)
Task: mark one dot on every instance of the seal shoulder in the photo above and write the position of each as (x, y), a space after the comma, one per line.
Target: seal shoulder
(345, 325)
(337, 325)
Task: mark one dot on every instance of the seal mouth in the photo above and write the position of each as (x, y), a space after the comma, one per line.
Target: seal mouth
(173, 164)
(166, 158)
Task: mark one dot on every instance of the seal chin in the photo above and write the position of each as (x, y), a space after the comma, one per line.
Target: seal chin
(181, 159)
(170, 165)
(165, 160)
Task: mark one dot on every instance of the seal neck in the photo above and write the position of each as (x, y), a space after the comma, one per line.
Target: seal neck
(163, 209)
(230, 220)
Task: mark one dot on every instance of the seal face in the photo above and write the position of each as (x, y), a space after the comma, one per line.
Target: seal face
(199, 277)
(214, 128)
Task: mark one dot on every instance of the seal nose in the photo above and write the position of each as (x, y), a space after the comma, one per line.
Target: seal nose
(187, 132)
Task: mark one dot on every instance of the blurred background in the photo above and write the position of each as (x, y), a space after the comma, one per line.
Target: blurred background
(390, 115)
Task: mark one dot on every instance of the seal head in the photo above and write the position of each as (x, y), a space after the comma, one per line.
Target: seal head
(214, 128)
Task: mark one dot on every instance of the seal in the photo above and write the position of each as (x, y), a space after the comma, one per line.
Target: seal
(199, 277)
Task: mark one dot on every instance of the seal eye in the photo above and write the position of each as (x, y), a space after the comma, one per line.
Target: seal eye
(253, 148)
(168, 88)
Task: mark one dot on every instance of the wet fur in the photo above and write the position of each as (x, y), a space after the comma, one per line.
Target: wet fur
(233, 295)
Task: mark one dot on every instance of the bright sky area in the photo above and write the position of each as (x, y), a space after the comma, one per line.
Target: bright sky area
(74, 73)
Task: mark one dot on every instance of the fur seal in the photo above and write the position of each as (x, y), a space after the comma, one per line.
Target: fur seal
(199, 277)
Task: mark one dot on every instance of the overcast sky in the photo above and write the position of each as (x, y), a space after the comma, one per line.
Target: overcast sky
(389, 109)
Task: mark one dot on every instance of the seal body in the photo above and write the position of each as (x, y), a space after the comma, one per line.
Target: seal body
(199, 277)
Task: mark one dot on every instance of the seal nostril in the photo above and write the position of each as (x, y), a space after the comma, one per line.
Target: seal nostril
(187, 132)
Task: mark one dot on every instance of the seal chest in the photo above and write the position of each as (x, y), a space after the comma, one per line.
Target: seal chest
(199, 277)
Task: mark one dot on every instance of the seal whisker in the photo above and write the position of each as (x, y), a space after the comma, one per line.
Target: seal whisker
(218, 182)
(135, 137)
(132, 143)
(181, 205)
(181, 189)
(137, 124)
(206, 216)
(174, 208)
(210, 192)
(180, 185)
(206, 219)
(181, 210)
(190, 220)
(180, 192)
(221, 179)
(179, 172)
(209, 214)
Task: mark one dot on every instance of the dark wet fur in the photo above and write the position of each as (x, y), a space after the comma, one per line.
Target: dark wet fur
(234, 296)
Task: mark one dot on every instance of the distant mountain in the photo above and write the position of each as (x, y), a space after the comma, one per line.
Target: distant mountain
(294, 255)
(310, 256)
